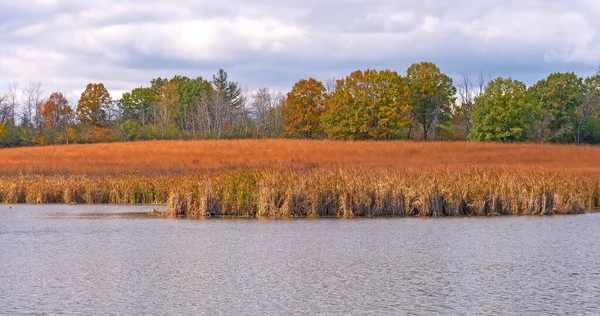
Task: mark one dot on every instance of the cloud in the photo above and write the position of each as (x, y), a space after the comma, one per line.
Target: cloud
(67, 44)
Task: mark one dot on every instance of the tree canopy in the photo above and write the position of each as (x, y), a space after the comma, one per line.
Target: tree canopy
(431, 96)
(367, 105)
(303, 108)
(94, 104)
(501, 113)
(420, 104)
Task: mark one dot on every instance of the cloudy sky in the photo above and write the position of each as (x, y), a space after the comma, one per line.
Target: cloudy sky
(66, 44)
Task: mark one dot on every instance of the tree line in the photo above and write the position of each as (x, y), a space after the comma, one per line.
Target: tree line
(422, 104)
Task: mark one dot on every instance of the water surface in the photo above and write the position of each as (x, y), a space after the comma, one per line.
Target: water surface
(111, 260)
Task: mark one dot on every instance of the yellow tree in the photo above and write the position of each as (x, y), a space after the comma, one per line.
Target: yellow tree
(303, 107)
(367, 105)
(2, 130)
(94, 104)
(168, 99)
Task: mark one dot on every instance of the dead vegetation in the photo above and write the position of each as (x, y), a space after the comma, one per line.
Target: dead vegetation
(293, 178)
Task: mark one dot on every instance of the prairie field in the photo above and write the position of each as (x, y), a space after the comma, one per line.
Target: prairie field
(301, 178)
(185, 157)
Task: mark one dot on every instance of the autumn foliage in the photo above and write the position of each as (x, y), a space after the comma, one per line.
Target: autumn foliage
(93, 105)
(419, 103)
(303, 108)
(56, 111)
(367, 105)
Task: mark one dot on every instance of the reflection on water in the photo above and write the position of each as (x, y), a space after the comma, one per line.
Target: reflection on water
(113, 259)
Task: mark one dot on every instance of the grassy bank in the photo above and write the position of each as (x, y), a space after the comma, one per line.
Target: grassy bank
(325, 192)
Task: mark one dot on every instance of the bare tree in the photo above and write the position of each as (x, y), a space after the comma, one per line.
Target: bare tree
(32, 96)
(330, 85)
(4, 108)
(265, 110)
(466, 98)
(12, 103)
(467, 93)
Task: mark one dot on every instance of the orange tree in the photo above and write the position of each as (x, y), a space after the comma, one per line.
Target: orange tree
(56, 111)
(302, 109)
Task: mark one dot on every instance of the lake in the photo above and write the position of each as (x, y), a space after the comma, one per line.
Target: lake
(57, 259)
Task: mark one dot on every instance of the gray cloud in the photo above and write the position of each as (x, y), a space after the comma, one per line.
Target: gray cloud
(67, 44)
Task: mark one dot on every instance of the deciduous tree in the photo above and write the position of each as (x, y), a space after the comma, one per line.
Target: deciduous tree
(94, 104)
(555, 101)
(138, 105)
(56, 111)
(432, 95)
(2, 130)
(168, 99)
(32, 97)
(502, 113)
(266, 111)
(367, 105)
(303, 108)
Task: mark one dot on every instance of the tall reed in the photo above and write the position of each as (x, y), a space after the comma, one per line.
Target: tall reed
(334, 192)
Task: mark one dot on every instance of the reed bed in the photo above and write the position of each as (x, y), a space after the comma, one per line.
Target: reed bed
(282, 192)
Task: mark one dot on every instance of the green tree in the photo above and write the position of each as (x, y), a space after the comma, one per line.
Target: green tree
(367, 105)
(130, 130)
(138, 105)
(556, 100)
(94, 105)
(303, 108)
(501, 113)
(230, 91)
(588, 113)
(431, 97)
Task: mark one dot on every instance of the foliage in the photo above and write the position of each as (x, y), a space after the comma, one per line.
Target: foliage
(96, 135)
(130, 130)
(367, 105)
(229, 90)
(168, 98)
(431, 97)
(303, 108)
(93, 105)
(138, 105)
(555, 101)
(56, 111)
(502, 113)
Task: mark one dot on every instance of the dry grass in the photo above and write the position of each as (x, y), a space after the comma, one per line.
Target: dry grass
(184, 157)
(292, 178)
(273, 192)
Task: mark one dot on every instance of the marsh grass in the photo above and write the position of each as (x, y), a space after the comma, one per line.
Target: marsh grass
(281, 192)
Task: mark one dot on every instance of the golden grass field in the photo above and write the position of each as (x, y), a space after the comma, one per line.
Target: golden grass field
(301, 178)
(184, 157)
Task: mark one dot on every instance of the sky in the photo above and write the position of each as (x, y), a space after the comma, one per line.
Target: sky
(67, 44)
